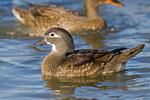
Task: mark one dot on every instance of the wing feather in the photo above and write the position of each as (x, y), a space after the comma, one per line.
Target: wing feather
(85, 56)
(81, 57)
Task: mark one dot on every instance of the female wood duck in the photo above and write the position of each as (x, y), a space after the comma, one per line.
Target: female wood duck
(43, 17)
(65, 61)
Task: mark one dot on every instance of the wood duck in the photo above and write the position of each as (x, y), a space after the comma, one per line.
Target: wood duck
(64, 60)
(43, 17)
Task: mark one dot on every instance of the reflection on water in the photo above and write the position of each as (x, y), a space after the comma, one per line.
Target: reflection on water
(20, 61)
(93, 38)
(67, 85)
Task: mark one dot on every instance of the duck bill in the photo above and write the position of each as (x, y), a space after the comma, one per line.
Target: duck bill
(40, 42)
(114, 2)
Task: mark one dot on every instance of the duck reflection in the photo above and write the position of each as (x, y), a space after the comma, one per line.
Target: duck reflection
(74, 98)
(95, 38)
(67, 85)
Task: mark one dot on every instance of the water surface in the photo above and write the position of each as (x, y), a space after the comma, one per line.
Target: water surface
(20, 74)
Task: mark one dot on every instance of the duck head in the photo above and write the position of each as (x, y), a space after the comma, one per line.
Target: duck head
(91, 6)
(60, 40)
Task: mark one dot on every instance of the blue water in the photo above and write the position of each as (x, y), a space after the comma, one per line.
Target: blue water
(20, 73)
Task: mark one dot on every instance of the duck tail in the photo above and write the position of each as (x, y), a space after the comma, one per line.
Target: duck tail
(19, 13)
(23, 15)
(124, 56)
(118, 61)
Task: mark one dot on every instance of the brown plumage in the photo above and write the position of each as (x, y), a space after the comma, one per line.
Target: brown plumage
(43, 17)
(65, 61)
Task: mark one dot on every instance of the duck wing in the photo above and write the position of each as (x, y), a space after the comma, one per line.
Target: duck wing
(83, 56)
(50, 10)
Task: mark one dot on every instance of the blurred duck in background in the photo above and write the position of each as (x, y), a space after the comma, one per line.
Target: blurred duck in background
(42, 17)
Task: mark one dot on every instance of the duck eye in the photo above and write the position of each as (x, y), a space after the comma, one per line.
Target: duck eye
(51, 34)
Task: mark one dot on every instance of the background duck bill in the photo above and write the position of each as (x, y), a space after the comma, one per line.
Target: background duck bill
(114, 2)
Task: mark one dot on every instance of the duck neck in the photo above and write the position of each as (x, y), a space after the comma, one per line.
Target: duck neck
(61, 49)
(54, 59)
(91, 9)
(51, 62)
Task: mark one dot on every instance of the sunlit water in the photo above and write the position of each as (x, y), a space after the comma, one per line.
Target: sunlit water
(20, 74)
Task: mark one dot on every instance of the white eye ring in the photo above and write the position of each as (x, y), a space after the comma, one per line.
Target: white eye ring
(53, 34)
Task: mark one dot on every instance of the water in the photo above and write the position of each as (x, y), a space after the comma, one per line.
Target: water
(20, 74)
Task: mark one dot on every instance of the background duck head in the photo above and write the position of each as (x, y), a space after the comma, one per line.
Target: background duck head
(91, 6)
